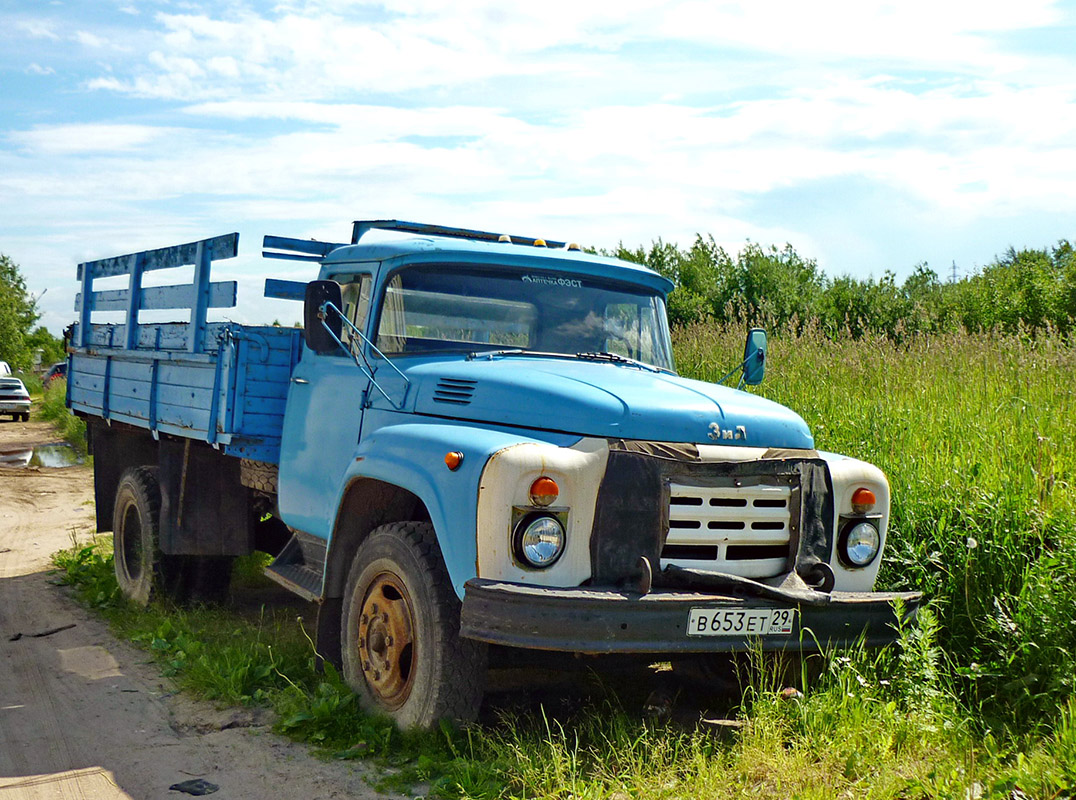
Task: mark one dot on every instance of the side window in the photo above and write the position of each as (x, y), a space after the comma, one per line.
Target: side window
(356, 300)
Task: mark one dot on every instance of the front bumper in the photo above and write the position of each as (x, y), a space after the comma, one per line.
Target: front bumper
(597, 620)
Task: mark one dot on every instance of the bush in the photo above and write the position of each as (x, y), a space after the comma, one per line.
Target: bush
(53, 408)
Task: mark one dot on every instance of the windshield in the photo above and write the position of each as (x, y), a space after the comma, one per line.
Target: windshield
(428, 309)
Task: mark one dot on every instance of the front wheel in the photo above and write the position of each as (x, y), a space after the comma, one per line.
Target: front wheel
(402, 652)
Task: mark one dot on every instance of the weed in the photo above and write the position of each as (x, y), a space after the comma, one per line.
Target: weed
(53, 408)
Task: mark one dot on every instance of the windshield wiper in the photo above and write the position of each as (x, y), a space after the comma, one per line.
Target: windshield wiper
(616, 359)
(489, 355)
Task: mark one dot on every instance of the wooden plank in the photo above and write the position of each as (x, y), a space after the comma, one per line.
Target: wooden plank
(266, 389)
(202, 260)
(151, 336)
(263, 405)
(132, 301)
(285, 290)
(222, 294)
(261, 425)
(180, 255)
(171, 395)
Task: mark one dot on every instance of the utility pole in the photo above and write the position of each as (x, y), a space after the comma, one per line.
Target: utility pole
(952, 276)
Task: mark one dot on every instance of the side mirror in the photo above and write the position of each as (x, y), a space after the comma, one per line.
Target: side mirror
(319, 330)
(754, 357)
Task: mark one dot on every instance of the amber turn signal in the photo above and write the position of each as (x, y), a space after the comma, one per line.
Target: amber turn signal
(453, 460)
(863, 500)
(544, 491)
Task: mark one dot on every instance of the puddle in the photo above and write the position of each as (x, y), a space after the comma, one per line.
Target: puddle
(41, 455)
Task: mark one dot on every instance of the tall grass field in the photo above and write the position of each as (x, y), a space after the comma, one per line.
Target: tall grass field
(977, 434)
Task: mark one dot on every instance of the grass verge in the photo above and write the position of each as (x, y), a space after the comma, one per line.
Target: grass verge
(883, 725)
(53, 409)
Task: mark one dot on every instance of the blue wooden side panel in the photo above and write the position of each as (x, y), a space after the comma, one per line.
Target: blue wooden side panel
(234, 398)
(257, 378)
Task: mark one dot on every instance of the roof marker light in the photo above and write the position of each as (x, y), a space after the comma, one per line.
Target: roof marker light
(539, 243)
(574, 246)
(504, 237)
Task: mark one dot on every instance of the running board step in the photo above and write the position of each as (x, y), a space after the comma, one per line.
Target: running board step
(300, 566)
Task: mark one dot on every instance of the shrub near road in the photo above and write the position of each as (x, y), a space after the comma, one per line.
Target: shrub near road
(977, 434)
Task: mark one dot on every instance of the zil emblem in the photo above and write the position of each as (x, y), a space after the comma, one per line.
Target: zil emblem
(718, 433)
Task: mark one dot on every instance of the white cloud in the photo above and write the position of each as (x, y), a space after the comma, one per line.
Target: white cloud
(541, 118)
(37, 69)
(37, 29)
(90, 40)
(80, 139)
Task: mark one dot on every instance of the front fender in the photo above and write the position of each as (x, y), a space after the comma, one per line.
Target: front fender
(411, 456)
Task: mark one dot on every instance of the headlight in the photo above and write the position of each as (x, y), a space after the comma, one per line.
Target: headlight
(539, 540)
(859, 544)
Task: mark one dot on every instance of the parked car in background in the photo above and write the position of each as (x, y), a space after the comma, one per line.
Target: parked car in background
(5, 369)
(14, 399)
(57, 371)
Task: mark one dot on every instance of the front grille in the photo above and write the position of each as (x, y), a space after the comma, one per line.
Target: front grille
(742, 530)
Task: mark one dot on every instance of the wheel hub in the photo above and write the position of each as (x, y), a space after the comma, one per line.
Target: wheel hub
(386, 640)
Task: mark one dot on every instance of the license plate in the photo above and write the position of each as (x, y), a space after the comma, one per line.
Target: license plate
(740, 622)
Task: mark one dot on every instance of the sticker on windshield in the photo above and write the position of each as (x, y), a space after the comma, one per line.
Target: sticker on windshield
(549, 280)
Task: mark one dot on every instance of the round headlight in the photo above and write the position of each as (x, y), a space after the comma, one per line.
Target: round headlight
(539, 540)
(859, 544)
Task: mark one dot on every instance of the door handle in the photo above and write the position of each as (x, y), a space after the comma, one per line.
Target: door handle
(300, 380)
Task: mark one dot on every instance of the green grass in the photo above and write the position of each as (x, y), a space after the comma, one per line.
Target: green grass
(70, 427)
(978, 437)
(977, 434)
(876, 724)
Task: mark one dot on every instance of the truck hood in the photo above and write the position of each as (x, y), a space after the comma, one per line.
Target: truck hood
(606, 400)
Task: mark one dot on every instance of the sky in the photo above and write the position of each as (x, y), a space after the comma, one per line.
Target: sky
(871, 136)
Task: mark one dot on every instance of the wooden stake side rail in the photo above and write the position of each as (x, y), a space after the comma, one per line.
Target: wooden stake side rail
(222, 383)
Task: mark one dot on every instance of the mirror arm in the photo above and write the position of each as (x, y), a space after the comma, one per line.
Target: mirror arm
(739, 366)
(368, 369)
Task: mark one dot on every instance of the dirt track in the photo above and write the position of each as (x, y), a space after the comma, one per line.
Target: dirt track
(83, 715)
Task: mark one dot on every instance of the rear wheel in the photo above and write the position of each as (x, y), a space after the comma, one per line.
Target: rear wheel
(402, 652)
(142, 570)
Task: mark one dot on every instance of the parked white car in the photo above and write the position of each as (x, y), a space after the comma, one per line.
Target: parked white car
(5, 369)
(14, 399)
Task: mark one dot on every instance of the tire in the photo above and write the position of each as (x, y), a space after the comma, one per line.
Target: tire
(258, 475)
(142, 570)
(402, 652)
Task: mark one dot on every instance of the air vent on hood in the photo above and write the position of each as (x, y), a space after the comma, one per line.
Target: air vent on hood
(454, 390)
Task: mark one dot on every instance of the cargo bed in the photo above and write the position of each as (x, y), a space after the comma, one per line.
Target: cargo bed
(222, 383)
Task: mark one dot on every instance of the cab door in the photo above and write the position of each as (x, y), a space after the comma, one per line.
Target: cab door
(322, 422)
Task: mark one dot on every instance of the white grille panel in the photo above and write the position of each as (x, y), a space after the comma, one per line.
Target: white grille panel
(741, 530)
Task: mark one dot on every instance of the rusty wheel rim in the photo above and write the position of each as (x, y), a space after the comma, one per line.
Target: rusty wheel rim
(387, 641)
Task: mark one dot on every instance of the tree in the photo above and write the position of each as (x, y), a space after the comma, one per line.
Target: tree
(18, 313)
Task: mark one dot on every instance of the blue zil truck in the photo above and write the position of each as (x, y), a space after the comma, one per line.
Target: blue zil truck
(477, 444)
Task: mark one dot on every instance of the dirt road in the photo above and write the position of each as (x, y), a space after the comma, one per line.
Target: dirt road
(83, 715)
